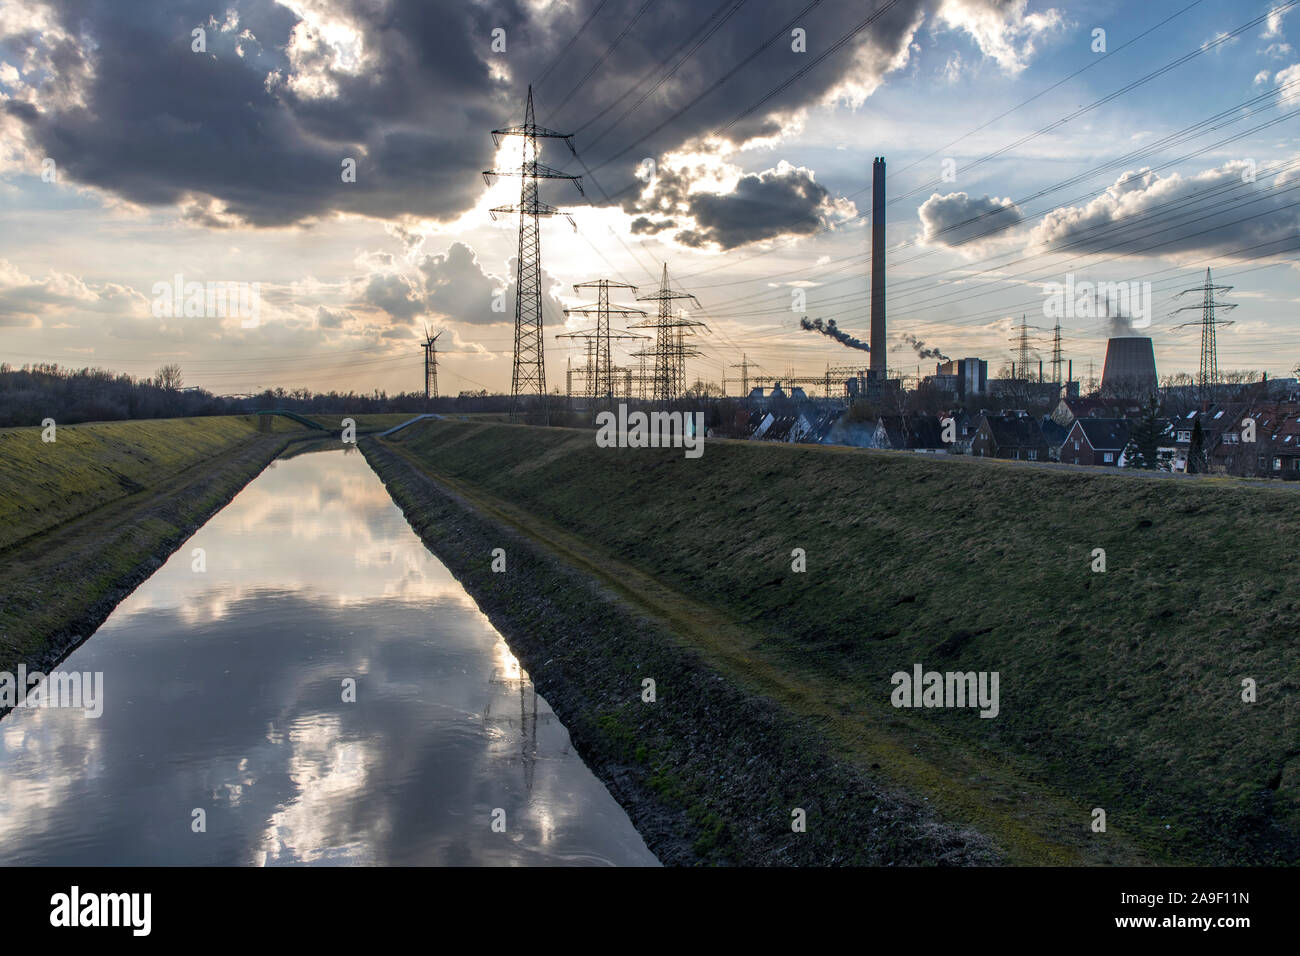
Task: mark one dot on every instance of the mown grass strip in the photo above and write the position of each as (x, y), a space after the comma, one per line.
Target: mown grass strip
(1120, 689)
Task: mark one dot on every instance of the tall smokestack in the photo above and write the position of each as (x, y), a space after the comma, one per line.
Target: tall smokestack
(878, 348)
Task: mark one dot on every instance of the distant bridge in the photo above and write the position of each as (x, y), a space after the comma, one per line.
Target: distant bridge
(296, 417)
(417, 418)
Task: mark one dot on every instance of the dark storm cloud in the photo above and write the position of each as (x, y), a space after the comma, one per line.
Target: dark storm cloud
(262, 121)
(643, 224)
(777, 202)
(161, 122)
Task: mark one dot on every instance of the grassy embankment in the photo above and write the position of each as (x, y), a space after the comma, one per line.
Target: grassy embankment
(85, 518)
(709, 772)
(1119, 690)
(366, 424)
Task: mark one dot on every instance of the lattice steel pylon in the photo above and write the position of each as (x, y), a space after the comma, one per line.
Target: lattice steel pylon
(1056, 354)
(1208, 323)
(744, 365)
(1022, 349)
(530, 368)
(641, 376)
(670, 348)
(600, 373)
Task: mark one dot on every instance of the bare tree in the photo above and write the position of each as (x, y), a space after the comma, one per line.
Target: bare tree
(1239, 376)
(169, 377)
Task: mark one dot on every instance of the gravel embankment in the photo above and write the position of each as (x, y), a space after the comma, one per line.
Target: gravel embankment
(707, 773)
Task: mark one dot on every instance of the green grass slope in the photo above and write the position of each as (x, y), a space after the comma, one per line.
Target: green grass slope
(86, 518)
(43, 484)
(1120, 689)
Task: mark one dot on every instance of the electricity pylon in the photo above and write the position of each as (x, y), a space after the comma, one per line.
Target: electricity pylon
(744, 365)
(1023, 346)
(670, 348)
(1208, 323)
(600, 373)
(1056, 354)
(529, 370)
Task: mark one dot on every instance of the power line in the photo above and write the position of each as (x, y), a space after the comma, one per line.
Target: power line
(780, 34)
(702, 35)
(568, 46)
(603, 57)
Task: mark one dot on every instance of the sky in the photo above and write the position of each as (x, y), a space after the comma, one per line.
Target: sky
(330, 152)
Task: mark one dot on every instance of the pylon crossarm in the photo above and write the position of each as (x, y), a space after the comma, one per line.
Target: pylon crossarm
(490, 176)
(537, 132)
(666, 296)
(595, 309)
(533, 209)
(1201, 324)
(1200, 307)
(598, 283)
(592, 334)
(1206, 288)
(535, 171)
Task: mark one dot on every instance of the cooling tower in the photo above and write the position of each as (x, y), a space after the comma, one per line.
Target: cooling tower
(1130, 367)
(878, 347)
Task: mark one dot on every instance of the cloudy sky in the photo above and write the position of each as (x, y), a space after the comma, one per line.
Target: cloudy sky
(1026, 141)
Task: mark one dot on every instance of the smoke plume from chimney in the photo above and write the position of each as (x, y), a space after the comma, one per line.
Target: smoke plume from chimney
(921, 350)
(831, 329)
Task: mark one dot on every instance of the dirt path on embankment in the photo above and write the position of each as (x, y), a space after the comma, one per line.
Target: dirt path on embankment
(61, 584)
(709, 772)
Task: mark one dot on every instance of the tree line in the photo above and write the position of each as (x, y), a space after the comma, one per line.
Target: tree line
(32, 393)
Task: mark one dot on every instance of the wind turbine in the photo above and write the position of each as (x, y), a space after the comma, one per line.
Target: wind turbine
(430, 365)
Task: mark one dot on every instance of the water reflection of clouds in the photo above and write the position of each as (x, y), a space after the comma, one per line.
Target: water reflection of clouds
(330, 776)
(224, 692)
(48, 755)
(277, 534)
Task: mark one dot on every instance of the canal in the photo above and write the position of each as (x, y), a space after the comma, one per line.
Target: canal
(303, 682)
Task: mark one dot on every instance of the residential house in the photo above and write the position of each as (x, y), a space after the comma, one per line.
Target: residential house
(912, 433)
(1221, 424)
(963, 430)
(1013, 435)
(1095, 441)
(1054, 434)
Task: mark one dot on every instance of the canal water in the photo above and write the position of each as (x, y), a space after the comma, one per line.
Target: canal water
(225, 678)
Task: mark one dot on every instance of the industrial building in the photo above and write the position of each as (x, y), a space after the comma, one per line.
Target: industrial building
(963, 378)
(1130, 369)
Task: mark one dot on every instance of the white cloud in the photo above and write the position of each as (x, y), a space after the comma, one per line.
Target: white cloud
(1273, 27)
(966, 222)
(1219, 42)
(1215, 211)
(1289, 78)
(1002, 29)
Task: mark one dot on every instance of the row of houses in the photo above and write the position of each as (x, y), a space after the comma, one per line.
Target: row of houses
(1252, 439)
(1243, 438)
